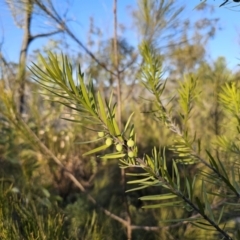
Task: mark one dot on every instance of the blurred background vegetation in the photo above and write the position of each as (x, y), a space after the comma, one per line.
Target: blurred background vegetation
(37, 198)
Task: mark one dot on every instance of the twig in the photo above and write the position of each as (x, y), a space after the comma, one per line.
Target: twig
(40, 35)
(60, 21)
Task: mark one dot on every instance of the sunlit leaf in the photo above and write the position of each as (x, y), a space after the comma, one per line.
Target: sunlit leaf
(102, 109)
(158, 197)
(128, 122)
(114, 155)
(137, 188)
(139, 180)
(98, 149)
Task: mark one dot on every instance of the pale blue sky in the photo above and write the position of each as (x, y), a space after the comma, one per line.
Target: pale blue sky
(226, 42)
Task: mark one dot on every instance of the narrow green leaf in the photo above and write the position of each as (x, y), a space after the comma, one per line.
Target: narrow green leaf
(117, 131)
(114, 155)
(202, 227)
(212, 161)
(128, 122)
(137, 188)
(84, 92)
(102, 109)
(150, 162)
(48, 68)
(168, 178)
(53, 63)
(69, 77)
(139, 180)
(132, 131)
(222, 167)
(206, 202)
(110, 100)
(158, 197)
(220, 215)
(189, 188)
(137, 174)
(101, 148)
(123, 161)
(110, 127)
(177, 174)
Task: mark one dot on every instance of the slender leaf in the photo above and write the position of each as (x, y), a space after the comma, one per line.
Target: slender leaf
(137, 188)
(158, 197)
(102, 109)
(139, 180)
(128, 122)
(114, 155)
(98, 149)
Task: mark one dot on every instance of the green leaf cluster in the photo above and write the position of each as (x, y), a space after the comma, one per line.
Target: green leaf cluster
(209, 193)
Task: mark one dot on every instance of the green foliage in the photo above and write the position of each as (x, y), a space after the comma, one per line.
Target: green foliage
(22, 218)
(208, 194)
(180, 158)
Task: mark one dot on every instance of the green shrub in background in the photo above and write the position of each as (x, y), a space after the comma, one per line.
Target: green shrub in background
(23, 218)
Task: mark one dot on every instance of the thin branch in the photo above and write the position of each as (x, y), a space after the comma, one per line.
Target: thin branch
(223, 3)
(44, 34)
(129, 64)
(60, 21)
